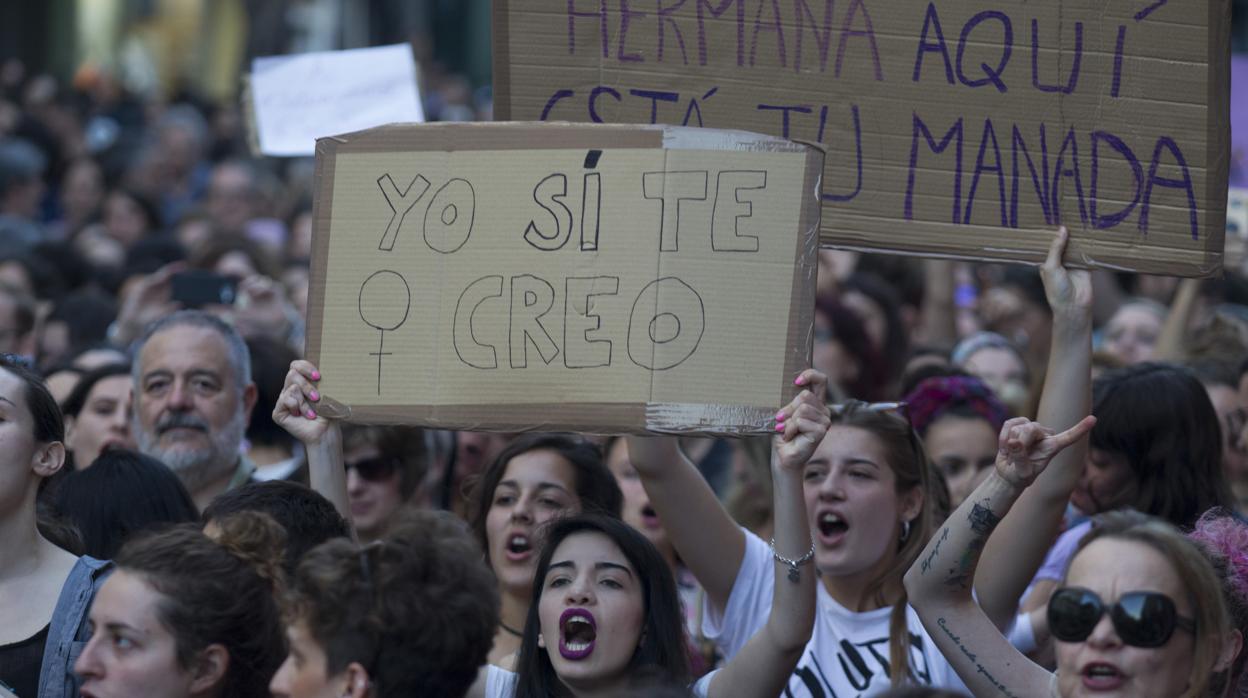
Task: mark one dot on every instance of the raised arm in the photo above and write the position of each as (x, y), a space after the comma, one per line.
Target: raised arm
(709, 542)
(763, 666)
(939, 586)
(1170, 341)
(938, 318)
(321, 437)
(707, 539)
(1019, 547)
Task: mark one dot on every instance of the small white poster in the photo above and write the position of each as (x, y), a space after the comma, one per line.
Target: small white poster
(305, 96)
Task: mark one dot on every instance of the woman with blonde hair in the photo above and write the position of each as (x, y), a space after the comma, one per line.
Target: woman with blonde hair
(1140, 612)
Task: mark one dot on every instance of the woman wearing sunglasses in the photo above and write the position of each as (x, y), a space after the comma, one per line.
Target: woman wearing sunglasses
(1140, 612)
(385, 469)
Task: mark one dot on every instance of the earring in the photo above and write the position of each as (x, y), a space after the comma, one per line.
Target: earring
(905, 531)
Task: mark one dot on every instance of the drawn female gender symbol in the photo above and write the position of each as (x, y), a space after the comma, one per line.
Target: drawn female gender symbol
(385, 299)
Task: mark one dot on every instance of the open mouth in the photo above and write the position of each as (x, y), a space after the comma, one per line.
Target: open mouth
(832, 526)
(650, 517)
(519, 547)
(1101, 676)
(577, 632)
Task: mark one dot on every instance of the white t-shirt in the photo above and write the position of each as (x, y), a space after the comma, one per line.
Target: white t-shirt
(848, 652)
(500, 683)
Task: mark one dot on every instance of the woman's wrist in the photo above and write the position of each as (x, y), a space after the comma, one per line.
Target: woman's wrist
(1072, 321)
(329, 443)
(997, 485)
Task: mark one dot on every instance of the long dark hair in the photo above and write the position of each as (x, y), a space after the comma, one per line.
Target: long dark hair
(1159, 419)
(595, 485)
(662, 646)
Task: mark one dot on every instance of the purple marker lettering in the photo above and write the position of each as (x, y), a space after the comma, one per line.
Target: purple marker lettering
(1071, 81)
(1185, 184)
(954, 132)
(716, 11)
(830, 196)
(600, 14)
(1039, 180)
(989, 135)
(626, 15)
(776, 25)
(931, 22)
(664, 15)
(1112, 219)
(822, 40)
(868, 33)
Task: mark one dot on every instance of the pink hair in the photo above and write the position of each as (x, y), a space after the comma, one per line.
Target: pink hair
(1220, 534)
(1224, 539)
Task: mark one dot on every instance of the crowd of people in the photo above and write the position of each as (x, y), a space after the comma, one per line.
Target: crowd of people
(992, 480)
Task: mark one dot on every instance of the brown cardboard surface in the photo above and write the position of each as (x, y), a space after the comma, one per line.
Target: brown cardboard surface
(449, 290)
(959, 128)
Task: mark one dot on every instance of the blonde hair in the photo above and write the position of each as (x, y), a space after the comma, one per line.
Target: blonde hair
(1200, 581)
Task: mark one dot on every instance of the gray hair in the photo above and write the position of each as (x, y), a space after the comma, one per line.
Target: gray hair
(240, 357)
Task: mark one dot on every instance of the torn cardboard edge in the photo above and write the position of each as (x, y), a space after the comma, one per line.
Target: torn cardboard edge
(618, 418)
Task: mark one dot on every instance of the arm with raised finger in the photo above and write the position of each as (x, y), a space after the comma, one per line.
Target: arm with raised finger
(939, 583)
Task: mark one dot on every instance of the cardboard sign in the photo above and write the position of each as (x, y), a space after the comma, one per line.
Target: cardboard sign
(539, 276)
(301, 97)
(957, 128)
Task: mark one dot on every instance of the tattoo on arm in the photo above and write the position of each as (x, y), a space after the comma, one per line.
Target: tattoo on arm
(979, 668)
(931, 557)
(983, 521)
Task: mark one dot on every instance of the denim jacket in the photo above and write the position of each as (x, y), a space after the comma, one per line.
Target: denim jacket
(68, 635)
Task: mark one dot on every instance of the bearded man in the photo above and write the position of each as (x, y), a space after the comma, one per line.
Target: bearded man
(193, 397)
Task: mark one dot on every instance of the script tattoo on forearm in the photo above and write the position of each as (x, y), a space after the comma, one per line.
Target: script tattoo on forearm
(979, 668)
(931, 557)
(983, 521)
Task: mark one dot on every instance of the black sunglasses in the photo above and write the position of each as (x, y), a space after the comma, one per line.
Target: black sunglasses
(374, 469)
(1141, 618)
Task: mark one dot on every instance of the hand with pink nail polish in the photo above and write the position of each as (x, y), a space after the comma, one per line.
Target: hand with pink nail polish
(803, 423)
(295, 410)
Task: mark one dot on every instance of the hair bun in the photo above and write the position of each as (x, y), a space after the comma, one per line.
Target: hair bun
(257, 540)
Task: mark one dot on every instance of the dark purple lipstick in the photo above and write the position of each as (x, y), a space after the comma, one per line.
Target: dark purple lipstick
(577, 632)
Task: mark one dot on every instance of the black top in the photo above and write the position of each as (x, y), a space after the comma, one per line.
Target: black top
(20, 663)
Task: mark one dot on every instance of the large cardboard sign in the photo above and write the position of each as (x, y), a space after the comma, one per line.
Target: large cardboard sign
(959, 128)
(608, 279)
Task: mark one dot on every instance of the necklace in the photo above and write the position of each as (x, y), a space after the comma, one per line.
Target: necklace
(510, 629)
